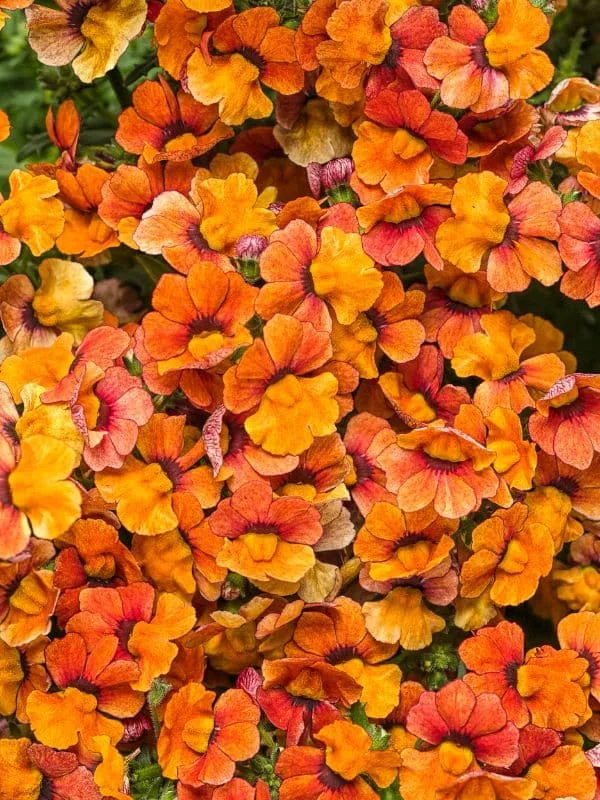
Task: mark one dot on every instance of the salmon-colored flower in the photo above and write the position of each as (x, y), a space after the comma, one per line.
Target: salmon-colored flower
(32, 213)
(484, 70)
(201, 740)
(131, 190)
(416, 392)
(510, 554)
(580, 632)
(143, 489)
(401, 226)
(178, 30)
(85, 234)
(579, 245)
(513, 241)
(309, 277)
(440, 465)
(250, 50)
(397, 144)
(142, 630)
(564, 423)
(204, 229)
(495, 356)
(92, 36)
(275, 380)
(266, 538)
(163, 126)
(412, 33)
(366, 437)
(320, 473)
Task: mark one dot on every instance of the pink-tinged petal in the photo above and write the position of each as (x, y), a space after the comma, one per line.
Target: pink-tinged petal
(500, 749)
(455, 703)
(425, 721)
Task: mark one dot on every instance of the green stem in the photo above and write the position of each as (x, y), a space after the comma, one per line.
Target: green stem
(119, 88)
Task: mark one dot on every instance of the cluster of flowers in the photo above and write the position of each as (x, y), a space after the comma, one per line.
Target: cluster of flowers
(267, 539)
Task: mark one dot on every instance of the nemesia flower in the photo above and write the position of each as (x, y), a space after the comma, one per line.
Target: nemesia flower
(201, 739)
(320, 473)
(578, 248)
(130, 191)
(93, 36)
(397, 545)
(344, 642)
(85, 234)
(396, 145)
(187, 232)
(510, 240)
(563, 423)
(483, 70)
(440, 465)
(306, 276)
(402, 225)
(163, 126)
(346, 60)
(580, 486)
(416, 393)
(335, 770)
(266, 538)
(412, 33)
(250, 49)
(22, 671)
(550, 774)
(494, 355)
(31, 214)
(511, 554)
(273, 380)
(366, 437)
(553, 140)
(143, 489)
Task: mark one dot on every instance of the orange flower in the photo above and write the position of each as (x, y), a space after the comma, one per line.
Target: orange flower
(143, 637)
(564, 423)
(440, 465)
(320, 473)
(495, 354)
(511, 554)
(311, 679)
(416, 392)
(347, 59)
(91, 687)
(510, 239)
(130, 191)
(454, 304)
(22, 671)
(566, 772)
(199, 320)
(396, 146)
(484, 69)
(516, 458)
(250, 49)
(579, 245)
(335, 769)
(27, 596)
(336, 632)
(582, 487)
(310, 277)
(32, 213)
(402, 617)
(395, 545)
(267, 539)
(20, 779)
(92, 36)
(201, 740)
(402, 225)
(144, 489)
(273, 380)
(188, 232)
(366, 437)
(85, 234)
(178, 31)
(581, 632)
(163, 126)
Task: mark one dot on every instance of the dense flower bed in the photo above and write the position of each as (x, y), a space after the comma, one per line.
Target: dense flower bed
(299, 492)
